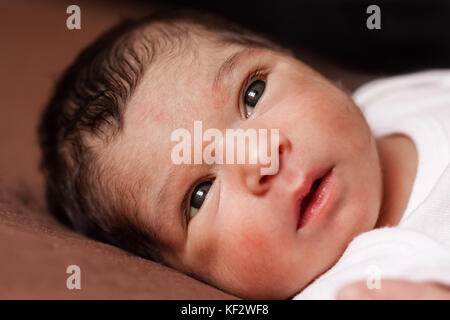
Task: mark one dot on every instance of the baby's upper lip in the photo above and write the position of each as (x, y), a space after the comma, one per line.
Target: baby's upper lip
(303, 190)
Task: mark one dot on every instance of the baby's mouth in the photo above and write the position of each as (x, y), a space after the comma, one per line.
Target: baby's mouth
(314, 198)
(309, 196)
(306, 200)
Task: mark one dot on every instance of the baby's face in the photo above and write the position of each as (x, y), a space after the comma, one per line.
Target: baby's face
(245, 238)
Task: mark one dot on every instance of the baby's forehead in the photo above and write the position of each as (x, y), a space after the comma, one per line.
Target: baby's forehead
(178, 89)
(197, 57)
(194, 82)
(174, 51)
(185, 71)
(188, 75)
(187, 81)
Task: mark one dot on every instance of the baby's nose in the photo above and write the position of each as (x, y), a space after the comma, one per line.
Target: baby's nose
(259, 177)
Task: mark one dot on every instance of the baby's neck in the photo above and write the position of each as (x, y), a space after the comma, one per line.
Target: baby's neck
(398, 158)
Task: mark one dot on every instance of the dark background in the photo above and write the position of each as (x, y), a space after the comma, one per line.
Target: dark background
(414, 34)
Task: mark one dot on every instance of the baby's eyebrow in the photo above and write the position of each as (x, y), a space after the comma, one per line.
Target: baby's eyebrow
(162, 193)
(166, 207)
(229, 65)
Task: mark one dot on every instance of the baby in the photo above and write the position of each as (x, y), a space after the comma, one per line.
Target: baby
(106, 141)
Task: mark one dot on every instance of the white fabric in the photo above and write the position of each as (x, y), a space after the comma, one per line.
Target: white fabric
(418, 249)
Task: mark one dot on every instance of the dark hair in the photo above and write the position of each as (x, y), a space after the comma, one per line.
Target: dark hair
(89, 102)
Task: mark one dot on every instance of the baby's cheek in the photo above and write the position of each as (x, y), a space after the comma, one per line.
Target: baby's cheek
(254, 257)
(253, 242)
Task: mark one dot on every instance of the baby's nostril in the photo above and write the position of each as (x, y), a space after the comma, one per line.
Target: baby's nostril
(280, 149)
(263, 179)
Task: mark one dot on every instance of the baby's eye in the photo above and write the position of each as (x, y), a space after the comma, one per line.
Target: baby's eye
(198, 196)
(252, 96)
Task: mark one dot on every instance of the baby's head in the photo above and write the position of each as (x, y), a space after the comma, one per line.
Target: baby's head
(106, 140)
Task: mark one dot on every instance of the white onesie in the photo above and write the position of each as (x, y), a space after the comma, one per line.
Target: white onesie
(418, 249)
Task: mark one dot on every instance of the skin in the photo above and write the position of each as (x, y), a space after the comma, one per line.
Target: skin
(244, 239)
(395, 290)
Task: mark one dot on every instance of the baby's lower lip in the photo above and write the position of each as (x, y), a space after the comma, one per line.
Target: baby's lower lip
(319, 201)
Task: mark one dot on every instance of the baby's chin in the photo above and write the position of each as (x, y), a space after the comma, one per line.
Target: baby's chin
(275, 287)
(283, 284)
